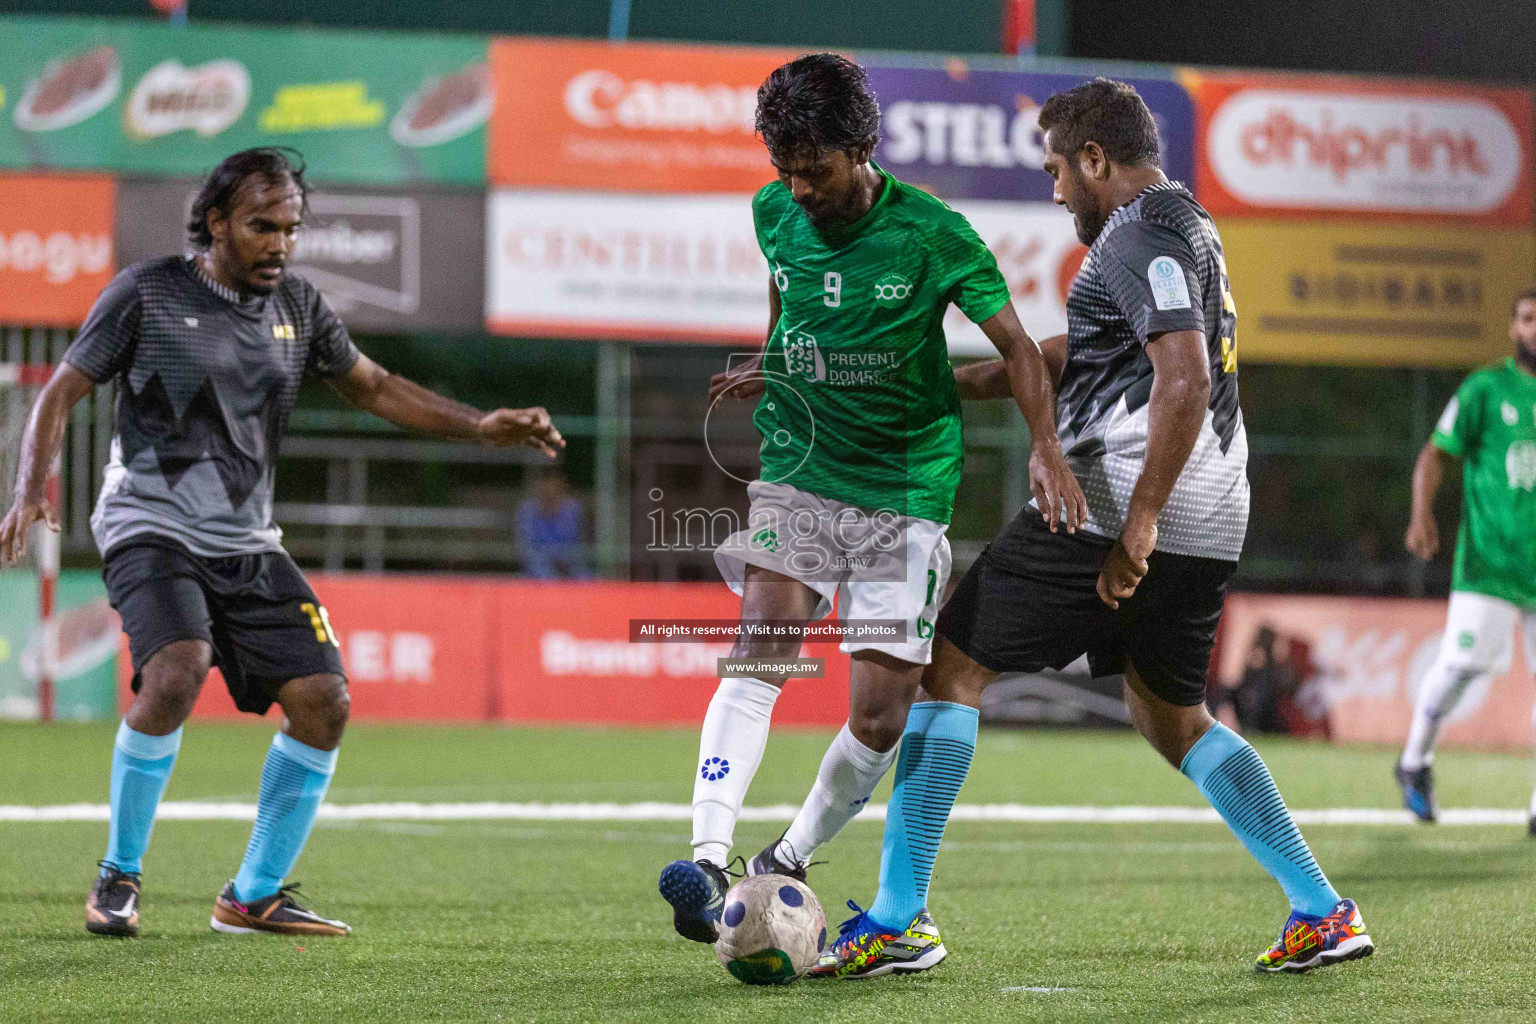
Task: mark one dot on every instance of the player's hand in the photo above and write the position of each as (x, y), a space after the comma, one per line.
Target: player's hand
(19, 520)
(1055, 488)
(1423, 537)
(1127, 563)
(745, 382)
(531, 427)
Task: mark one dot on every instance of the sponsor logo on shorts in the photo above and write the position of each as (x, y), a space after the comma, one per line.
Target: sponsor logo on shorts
(892, 290)
(1466, 640)
(766, 539)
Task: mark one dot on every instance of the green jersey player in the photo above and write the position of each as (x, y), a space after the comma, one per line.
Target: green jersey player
(860, 456)
(1490, 428)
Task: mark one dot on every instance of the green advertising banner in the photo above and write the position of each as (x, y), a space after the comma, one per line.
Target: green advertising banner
(89, 637)
(164, 100)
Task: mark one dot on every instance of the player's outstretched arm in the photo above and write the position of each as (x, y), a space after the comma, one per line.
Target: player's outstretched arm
(987, 379)
(1181, 393)
(40, 444)
(1051, 480)
(1423, 537)
(746, 381)
(405, 403)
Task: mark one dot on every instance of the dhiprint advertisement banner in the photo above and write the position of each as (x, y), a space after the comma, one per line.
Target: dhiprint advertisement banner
(158, 99)
(1304, 145)
(55, 246)
(641, 117)
(1363, 660)
(387, 259)
(1365, 293)
(963, 132)
(470, 650)
(602, 265)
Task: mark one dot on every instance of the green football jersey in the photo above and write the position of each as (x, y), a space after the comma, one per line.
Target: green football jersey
(1491, 426)
(860, 402)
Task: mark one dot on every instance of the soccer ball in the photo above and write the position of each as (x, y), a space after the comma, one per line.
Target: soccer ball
(771, 931)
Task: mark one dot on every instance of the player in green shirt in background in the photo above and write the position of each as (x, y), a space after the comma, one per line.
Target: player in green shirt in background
(860, 457)
(1490, 428)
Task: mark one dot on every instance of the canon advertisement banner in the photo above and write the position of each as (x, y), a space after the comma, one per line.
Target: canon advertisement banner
(388, 260)
(641, 117)
(55, 247)
(1301, 145)
(965, 132)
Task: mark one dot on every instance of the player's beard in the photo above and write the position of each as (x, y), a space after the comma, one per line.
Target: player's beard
(1088, 226)
(1525, 355)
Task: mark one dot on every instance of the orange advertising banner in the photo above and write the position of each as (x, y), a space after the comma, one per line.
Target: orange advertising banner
(1364, 658)
(469, 650)
(1313, 145)
(641, 117)
(55, 246)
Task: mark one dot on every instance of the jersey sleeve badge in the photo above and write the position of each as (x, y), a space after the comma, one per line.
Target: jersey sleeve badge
(1169, 288)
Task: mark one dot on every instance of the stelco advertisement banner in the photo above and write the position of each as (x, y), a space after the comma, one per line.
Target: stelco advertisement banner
(158, 99)
(1349, 292)
(967, 133)
(642, 117)
(1360, 661)
(1312, 146)
(55, 246)
(388, 259)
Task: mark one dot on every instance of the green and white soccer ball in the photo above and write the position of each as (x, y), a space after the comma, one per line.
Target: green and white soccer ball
(771, 930)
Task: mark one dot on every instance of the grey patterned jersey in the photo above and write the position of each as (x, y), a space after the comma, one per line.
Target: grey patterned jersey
(1156, 267)
(205, 385)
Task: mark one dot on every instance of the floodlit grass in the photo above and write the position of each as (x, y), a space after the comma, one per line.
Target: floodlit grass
(554, 921)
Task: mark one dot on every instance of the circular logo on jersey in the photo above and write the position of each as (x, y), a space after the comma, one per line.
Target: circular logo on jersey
(892, 290)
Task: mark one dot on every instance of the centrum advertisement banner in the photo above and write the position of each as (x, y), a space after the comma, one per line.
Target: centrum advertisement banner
(388, 259)
(1360, 661)
(158, 99)
(637, 117)
(55, 247)
(967, 132)
(1305, 145)
(1353, 292)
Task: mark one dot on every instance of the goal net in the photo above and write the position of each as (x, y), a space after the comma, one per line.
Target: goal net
(29, 635)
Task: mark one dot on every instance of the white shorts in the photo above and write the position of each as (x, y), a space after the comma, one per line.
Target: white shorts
(1479, 630)
(874, 566)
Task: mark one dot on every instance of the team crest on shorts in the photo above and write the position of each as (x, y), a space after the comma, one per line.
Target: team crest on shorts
(892, 290)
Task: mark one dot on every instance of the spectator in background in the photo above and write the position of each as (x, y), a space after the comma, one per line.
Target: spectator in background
(551, 530)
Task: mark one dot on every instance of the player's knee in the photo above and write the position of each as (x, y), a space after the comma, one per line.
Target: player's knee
(170, 682)
(317, 708)
(878, 729)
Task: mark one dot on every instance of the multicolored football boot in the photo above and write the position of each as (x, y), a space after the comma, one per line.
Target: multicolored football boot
(278, 913)
(1304, 944)
(867, 949)
(112, 908)
(696, 889)
(1418, 786)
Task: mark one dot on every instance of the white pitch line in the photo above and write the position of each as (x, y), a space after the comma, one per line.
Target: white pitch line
(601, 812)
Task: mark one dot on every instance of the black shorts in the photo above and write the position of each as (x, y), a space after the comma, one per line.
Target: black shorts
(257, 611)
(1030, 602)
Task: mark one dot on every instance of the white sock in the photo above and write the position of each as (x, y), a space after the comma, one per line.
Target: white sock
(1438, 694)
(731, 747)
(850, 771)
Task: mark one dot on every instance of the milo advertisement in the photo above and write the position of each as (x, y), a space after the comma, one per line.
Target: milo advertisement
(89, 636)
(166, 100)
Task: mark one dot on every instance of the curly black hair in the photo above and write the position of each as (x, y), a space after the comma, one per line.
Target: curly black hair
(817, 103)
(1105, 111)
(274, 165)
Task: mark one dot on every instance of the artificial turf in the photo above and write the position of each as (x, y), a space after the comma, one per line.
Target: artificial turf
(560, 921)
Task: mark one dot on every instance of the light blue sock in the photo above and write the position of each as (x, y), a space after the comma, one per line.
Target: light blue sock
(141, 766)
(293, 783)
(1234, 779)
(936, 752)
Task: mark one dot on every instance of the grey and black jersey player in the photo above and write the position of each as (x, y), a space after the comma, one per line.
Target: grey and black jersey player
(208, 351)
(1148, 417)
